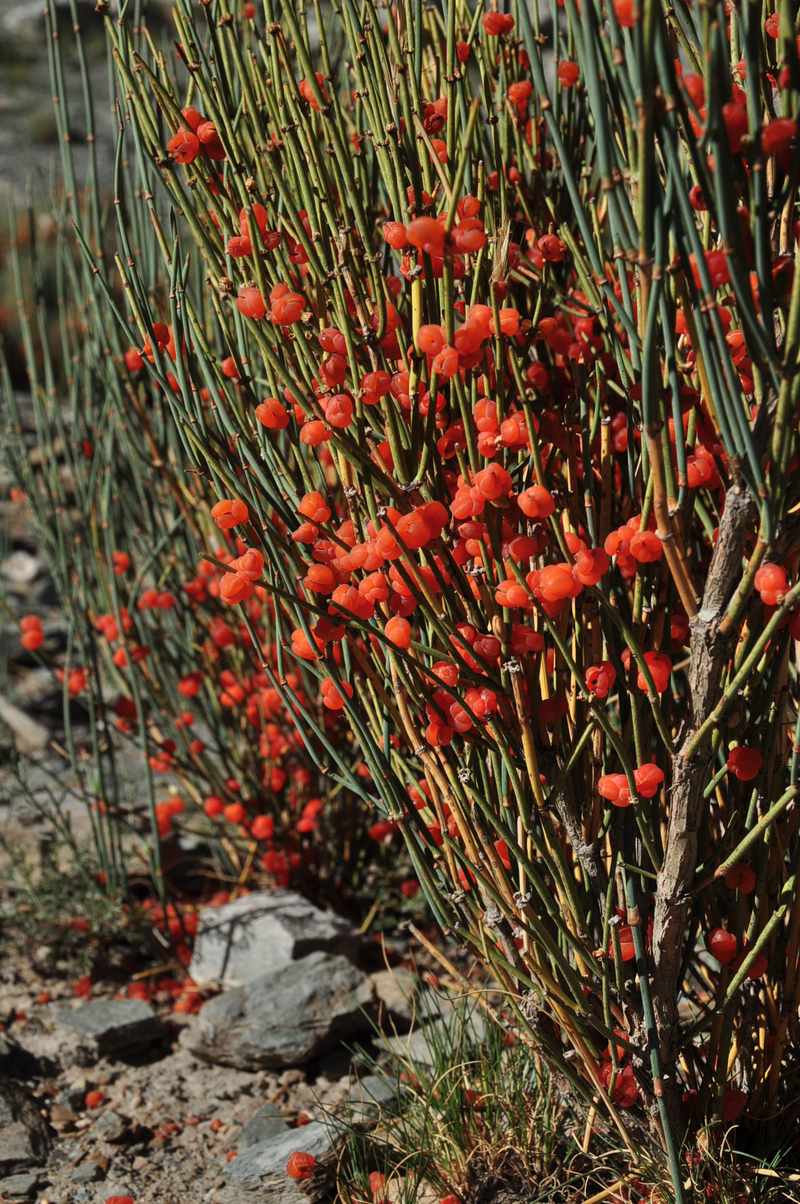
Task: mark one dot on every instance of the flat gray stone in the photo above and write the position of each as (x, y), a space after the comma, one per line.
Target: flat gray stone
(37, 689)
(110, 1126)
(397, 991)
(89, 1172)
(106, 1027)
(29, 736)
(266, 1123)
(72, 1097)
(283, 1020)
(371, 1095)
(20, 568)
(260, 933)
(421, 1044)
(19, 1187)
(25, 1138)
(263, 1166)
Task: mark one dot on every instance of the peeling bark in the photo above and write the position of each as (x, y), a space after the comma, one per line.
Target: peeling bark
(588, 854)
(709, 650)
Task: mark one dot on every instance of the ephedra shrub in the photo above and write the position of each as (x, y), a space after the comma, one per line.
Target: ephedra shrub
(484, 340)
(203, 770)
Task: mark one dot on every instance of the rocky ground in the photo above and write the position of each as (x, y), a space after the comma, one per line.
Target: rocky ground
(132, 1098)
(129, 1084)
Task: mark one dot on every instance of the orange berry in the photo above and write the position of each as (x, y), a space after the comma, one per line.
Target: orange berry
(230, 512)
(398, 632)
(745, 763)
(497, 24)
(300, 1165)
(272, 415)
(250, 303)
(722, 945)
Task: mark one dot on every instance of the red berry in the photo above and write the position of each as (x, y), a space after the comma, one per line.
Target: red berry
(339, 411)
(286, 308)
(536, 502)
(648, 779)
(778, 136)
(600, 679)
(272, 415)
(615, 789)
(334, 695)
(377, 1183)
(734, 1103)
(722, 945)
(568, 73)
(446, 363)
(398, 632)
(646, 547)
(519, 94)
(235, 588)
(626, 13)
(660, 666)
(300, 1165)
(734, 115)
(250, 303)
(590, 565)
(306, 90)
(426, 234)
(32, 639)
(741, 877)
(230, 512)
(184, 146)
(496, 24)
(313, 506)
(556, 583)
(771, 581)
(133, 360)
(745, 763)
(430, 339)
(263, 827)
(758, 967)
(395, 234)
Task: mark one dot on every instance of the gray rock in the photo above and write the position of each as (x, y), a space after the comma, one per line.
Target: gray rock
(19, 1187)
(114, 1187)
(110, 1126)
(371, 1095)
(20, 568)
(25, 1138)
(396, 990)
(37, 688)
(284, 1020)
(460, 1029)
(266, 1123)
(105, 1027)
(89, 1172)
(263, 1166)
(29, 736)
(260, 933)
(72, 1097)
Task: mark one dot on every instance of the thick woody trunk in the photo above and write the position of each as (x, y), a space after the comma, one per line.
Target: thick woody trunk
(709, 650)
